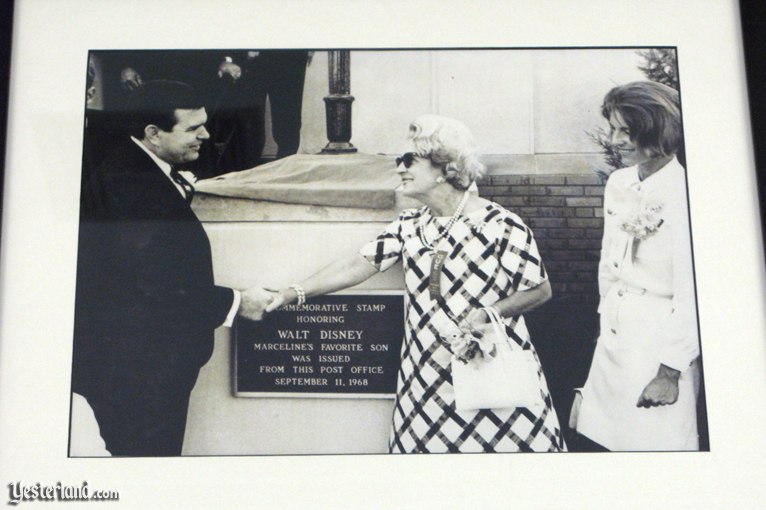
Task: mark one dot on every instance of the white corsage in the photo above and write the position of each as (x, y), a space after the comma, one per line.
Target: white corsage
(643, 223)
(470, 345)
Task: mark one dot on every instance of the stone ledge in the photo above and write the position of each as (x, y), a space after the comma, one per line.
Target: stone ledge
(581, 163)
(572, 175)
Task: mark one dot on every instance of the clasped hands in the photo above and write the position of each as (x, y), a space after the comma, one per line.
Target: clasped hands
(230, 71)
(257, 301)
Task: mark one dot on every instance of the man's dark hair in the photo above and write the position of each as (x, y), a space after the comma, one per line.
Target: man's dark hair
(155, 102)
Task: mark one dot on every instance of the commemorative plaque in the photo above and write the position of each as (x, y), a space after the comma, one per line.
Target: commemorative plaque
(335, 346)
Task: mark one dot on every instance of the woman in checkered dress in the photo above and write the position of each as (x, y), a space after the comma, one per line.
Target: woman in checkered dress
(488, 258)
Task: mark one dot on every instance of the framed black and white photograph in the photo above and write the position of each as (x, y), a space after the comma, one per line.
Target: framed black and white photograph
(250, 252)
(545, 139)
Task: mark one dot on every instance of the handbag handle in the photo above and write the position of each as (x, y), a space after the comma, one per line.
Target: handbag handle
(497, 324)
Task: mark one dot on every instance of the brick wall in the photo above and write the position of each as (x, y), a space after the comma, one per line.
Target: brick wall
(565, 213)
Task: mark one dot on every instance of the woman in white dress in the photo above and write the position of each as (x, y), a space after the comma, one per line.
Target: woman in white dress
(460, 254)
(641, 392)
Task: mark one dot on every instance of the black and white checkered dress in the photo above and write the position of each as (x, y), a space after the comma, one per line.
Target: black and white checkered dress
(491, 255)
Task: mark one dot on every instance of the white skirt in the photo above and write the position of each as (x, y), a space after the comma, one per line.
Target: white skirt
(625, 360)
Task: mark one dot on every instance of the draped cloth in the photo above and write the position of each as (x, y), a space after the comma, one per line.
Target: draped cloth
(347, 180)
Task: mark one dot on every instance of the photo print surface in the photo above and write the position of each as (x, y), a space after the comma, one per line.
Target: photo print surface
(387, 203)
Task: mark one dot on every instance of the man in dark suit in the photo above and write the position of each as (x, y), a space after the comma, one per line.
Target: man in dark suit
(146, 304)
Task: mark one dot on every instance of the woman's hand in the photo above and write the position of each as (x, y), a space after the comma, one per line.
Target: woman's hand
(662, 390)
(470, 343)
(476, 318)
(282, 297)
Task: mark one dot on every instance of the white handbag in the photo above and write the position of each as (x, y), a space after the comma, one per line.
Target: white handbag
(505, 381)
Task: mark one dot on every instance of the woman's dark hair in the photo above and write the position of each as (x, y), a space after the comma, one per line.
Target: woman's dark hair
(155, 102)
(652, 112)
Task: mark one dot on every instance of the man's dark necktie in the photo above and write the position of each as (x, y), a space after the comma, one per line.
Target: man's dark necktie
(186, 185)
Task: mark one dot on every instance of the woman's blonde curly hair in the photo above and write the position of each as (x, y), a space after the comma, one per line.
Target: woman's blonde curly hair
(449, 144)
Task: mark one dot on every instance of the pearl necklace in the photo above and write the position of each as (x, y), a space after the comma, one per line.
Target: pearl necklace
(448, 226)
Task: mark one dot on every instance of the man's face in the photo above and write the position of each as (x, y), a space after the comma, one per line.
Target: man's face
(182, 143)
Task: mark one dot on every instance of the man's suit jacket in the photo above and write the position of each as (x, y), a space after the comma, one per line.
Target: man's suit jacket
(146, 304)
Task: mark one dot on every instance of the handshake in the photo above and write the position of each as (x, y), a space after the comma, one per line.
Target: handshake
(257, 301)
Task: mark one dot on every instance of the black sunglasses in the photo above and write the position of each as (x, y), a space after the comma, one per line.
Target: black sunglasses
(407, 158)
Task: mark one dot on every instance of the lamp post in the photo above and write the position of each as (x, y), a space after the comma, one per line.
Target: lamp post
(338, 104)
